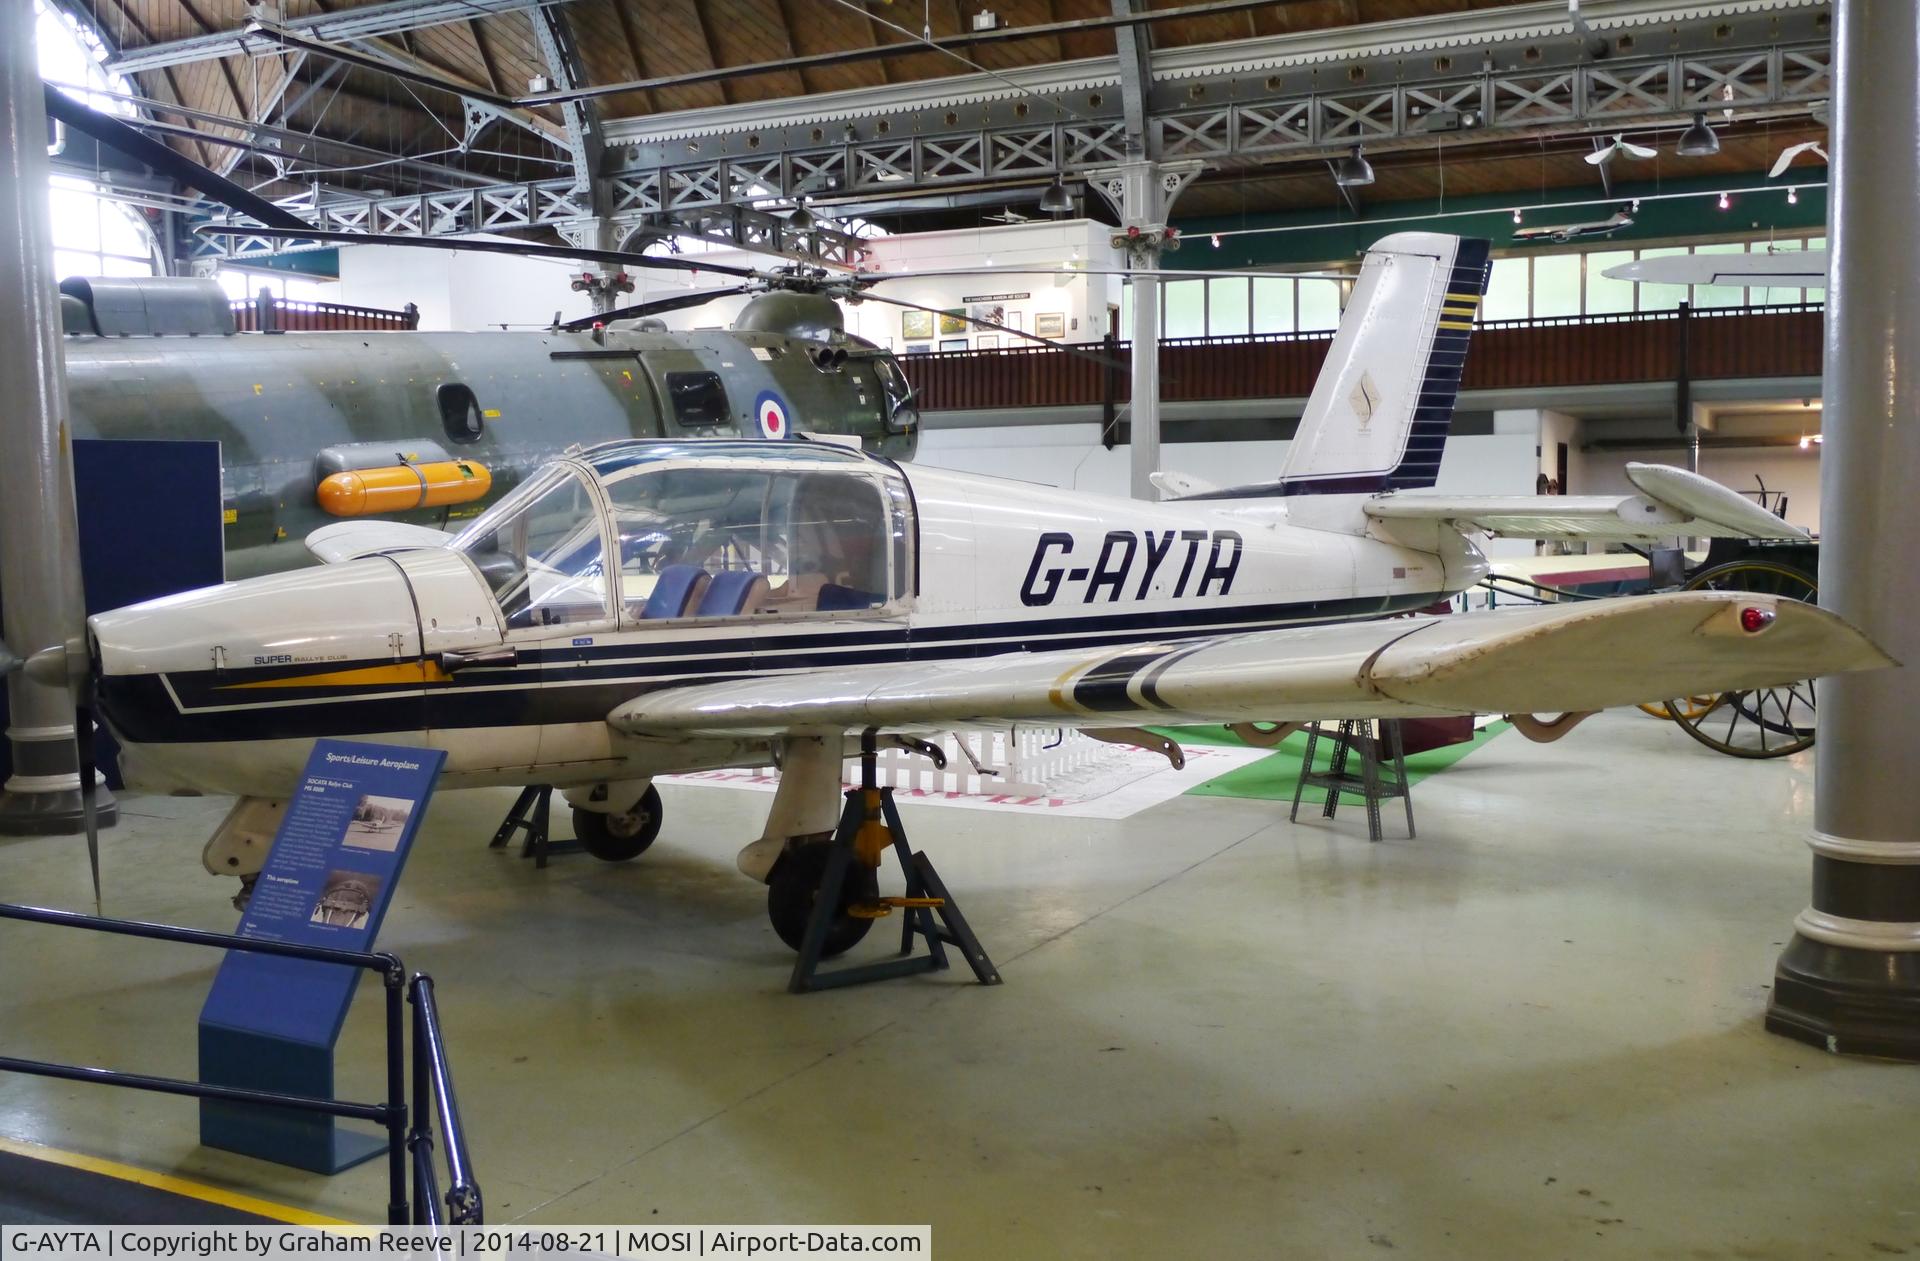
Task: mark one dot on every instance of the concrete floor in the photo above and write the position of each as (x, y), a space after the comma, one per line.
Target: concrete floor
(1534, 1031)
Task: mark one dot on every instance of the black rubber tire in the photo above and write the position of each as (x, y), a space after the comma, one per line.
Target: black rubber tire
(619, 838)
(792, 886)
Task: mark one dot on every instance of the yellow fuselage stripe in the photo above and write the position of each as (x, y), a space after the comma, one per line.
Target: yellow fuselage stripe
(168, 1183)
(1455, 324)
(405, 672)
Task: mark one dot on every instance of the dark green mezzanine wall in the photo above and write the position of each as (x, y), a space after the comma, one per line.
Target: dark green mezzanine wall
(1311, 239)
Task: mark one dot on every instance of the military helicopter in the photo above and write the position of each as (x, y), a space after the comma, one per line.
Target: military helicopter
(432, 427)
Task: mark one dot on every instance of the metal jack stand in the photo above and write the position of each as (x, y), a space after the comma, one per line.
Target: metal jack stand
(531, 811)
(1373, 785)
(871, 806)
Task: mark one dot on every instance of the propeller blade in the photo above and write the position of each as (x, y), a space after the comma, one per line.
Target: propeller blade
(120, 137)
(657, 306)
(89, 786)
(523, 249)
(1638, 151)
(1070, 348)
(1600, 157)
(1781, 163)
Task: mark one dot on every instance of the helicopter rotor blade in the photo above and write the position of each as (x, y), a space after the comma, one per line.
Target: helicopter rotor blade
(656, 306)
(873, 278)
(118, 136)
(1048, 342)
(468, 245)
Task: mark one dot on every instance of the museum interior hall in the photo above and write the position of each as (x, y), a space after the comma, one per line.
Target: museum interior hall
(980, 628)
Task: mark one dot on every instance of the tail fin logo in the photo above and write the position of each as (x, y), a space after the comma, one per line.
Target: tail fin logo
(1365, 398)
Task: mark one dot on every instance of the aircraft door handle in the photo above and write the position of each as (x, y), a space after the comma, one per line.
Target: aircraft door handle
(453, 661)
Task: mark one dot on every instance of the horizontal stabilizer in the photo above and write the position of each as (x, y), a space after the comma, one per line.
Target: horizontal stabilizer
(1180, 485)
(1672, 502)
(350, 540)
(1543, 659)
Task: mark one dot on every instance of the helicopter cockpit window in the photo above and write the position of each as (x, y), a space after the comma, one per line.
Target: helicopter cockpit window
(902, 413)
(541, 552)
(699, 398)
(732, 542)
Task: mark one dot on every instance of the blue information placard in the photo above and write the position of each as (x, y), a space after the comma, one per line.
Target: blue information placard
(270, 1023)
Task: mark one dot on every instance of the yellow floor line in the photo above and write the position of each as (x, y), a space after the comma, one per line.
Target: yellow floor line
(168, 1183)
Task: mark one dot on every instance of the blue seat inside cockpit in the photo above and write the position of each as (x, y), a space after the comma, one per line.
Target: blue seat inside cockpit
(675, 589)
(731, 593)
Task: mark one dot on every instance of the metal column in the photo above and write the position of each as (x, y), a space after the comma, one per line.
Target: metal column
(39, 557)
(1850, 978)
(1141, 193)
(1144, 412)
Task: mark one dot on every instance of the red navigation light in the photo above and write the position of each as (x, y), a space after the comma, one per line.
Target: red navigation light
(1754, 620)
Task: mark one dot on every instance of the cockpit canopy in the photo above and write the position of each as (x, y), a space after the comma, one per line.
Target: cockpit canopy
(646, 531)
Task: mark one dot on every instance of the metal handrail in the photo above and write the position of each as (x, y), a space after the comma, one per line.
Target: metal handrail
(433, 1097)
(431, 1075)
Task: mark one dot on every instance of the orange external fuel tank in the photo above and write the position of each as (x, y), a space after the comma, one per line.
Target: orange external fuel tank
(403, 487)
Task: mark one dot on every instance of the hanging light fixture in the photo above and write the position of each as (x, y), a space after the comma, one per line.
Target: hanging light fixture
(801, 220)
(1353, 171)
(1726, 202)
(1516, 214)
(1699, 140)
(1793, 196)
(1055, 200)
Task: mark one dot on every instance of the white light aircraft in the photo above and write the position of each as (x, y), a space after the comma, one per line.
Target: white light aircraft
(642, 608)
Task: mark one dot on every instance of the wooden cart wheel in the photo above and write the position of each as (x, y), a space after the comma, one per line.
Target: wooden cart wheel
(1767, 722)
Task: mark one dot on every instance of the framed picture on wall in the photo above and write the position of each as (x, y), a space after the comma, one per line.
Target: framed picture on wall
(953, 343)
(952, 322)
(916, 324)
(1050, 324)
(987, 341)
(918, 348)
(1012, 321)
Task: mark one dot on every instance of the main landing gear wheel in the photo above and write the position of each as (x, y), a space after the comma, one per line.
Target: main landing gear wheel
(793, 884)
(1768, 722)
(615, 838)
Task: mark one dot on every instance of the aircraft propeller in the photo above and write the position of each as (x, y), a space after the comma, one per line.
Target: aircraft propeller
(1788, 154)
(1619, 145)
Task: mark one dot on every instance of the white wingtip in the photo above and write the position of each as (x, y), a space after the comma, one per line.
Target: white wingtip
(1709, 501)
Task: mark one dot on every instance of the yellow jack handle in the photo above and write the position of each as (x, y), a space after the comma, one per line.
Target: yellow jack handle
(880, 908)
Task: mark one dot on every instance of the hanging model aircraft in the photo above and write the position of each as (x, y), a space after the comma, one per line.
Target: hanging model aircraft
(1563, 232)
(646, 607)
(1774, 269)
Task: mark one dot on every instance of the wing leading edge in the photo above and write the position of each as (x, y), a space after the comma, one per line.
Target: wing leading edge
(1543, 659)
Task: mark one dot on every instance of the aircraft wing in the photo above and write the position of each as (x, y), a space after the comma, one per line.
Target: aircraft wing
(1541, 659)
(1671, 501)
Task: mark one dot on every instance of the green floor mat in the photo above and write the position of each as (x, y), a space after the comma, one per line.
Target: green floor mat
(1273, 778)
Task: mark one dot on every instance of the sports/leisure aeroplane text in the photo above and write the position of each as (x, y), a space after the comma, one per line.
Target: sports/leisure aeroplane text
(646, 607)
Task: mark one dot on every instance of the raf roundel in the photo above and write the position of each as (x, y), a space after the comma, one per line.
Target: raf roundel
(772, 415)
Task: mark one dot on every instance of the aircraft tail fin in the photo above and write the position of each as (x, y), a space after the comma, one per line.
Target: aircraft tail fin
(1378, 416)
